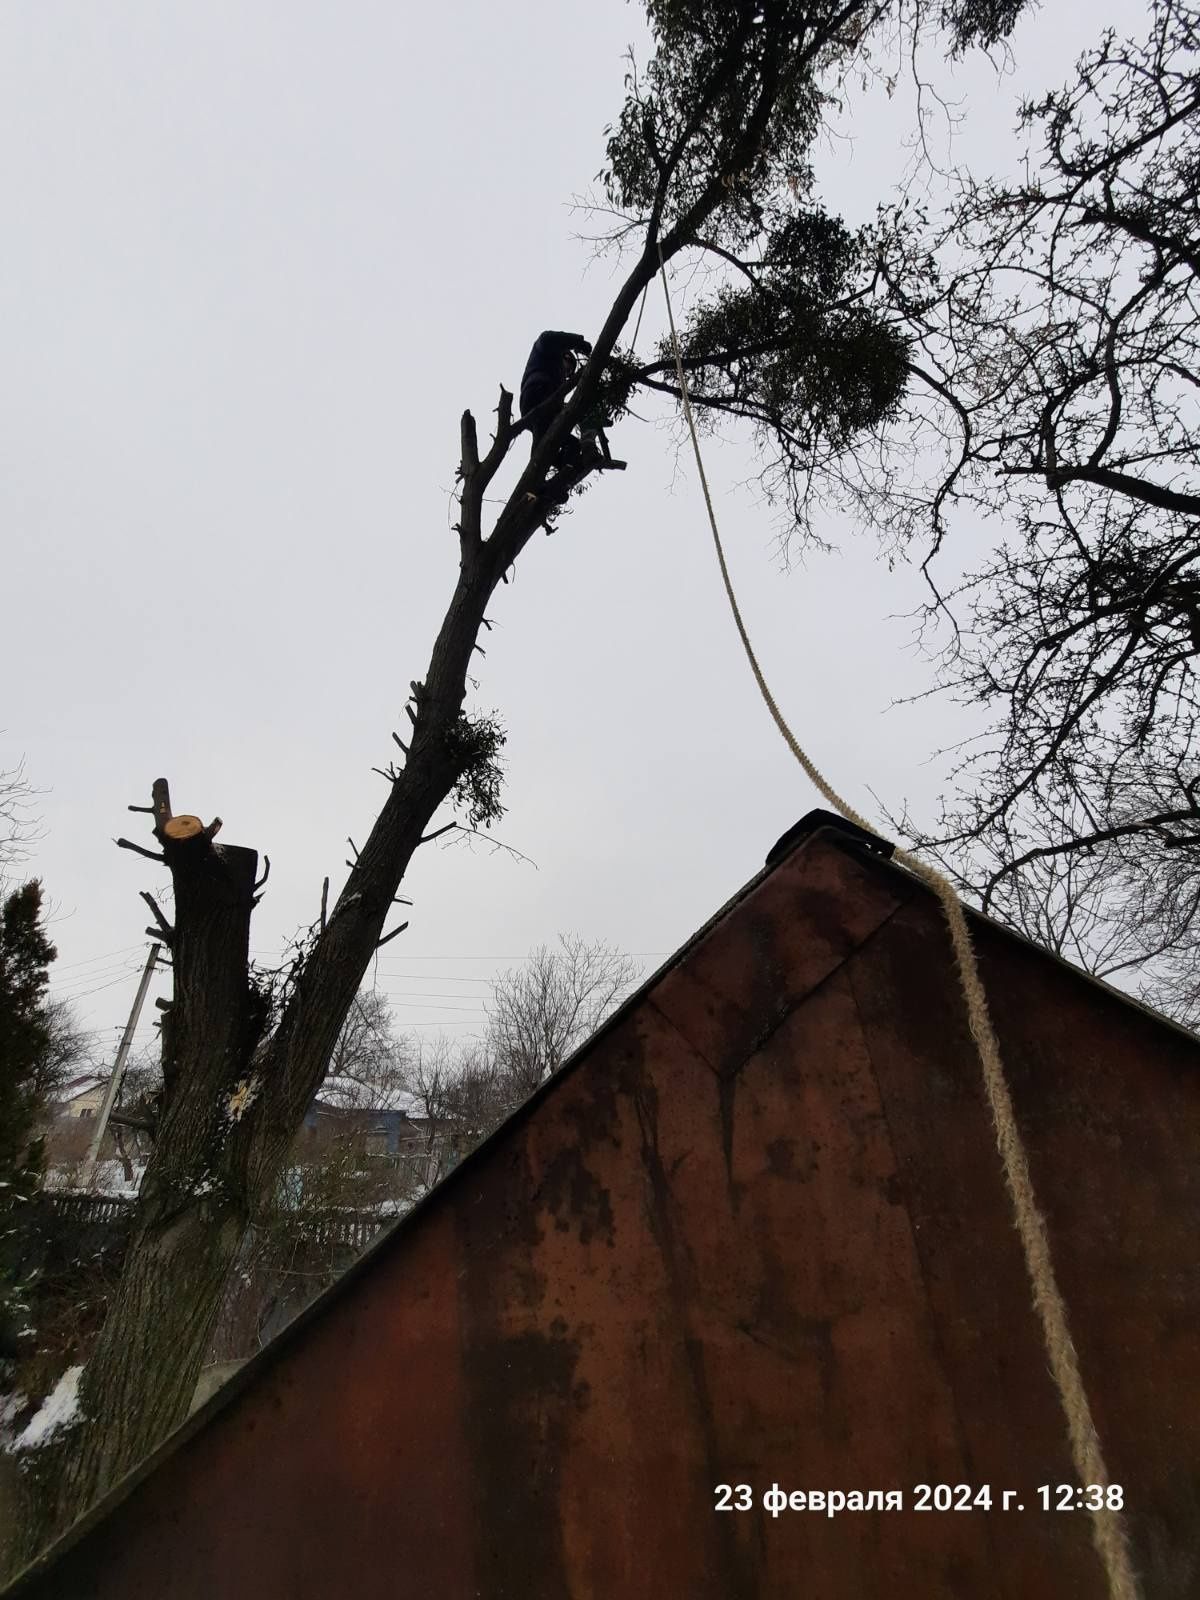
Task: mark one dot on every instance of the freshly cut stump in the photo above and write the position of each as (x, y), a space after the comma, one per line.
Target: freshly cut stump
(182, 827)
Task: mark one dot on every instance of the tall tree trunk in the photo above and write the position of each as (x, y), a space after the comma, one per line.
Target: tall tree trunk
(235, 1099)
(194, 1204)
(139, 1382)
(233, 1096)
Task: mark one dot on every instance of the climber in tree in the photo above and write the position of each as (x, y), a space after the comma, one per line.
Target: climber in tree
(551, 364)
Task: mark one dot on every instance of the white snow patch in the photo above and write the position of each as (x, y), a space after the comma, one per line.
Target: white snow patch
(108, 1179)
(11, 1405)
(340, 1093)
(58, 1410)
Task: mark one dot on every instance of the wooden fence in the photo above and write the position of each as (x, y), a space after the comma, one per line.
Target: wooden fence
(85, 1209)
(350, 1229)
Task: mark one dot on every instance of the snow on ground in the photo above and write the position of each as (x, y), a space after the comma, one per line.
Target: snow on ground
(108, 1179)
(57, 1410)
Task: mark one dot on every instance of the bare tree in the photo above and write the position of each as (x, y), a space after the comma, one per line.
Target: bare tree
(708, 161)
(541, 1011)
(437, 1075)
(1056, 370)
(18, 825)
(68, 1048)
(369, 1063)
(1081, 905)
(1125, 909)
(476, 1098)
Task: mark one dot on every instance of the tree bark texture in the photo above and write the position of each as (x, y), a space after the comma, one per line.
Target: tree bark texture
(194, 1201)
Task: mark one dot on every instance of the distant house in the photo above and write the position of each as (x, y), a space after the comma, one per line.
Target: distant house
(80, 1097)
(390, 1126)
(752, 1239)
(70, 1123)
(70, 1128)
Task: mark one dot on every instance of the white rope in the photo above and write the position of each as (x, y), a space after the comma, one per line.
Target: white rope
(1108, 1529)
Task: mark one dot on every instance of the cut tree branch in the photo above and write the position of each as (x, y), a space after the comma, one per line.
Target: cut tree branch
(128, 844)
(437, 833)
(470, 445)
(165, 928)
(501, 442)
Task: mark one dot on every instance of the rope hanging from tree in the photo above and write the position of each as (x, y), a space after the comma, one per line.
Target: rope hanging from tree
(1108, 1529)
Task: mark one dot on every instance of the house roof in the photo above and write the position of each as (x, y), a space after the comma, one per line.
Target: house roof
(85, 1083)
(755, 1230)
(350, 1094)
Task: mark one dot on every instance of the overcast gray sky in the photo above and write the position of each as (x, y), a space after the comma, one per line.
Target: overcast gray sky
(256, 260)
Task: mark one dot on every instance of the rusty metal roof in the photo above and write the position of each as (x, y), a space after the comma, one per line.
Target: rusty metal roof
(755, 1232)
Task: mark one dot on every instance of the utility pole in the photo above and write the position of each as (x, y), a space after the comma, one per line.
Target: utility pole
(114, 1083)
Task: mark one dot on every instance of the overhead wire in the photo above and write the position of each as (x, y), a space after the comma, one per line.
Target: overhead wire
(66, 966)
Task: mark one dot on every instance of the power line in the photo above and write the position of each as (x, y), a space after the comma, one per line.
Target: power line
(440, 1024)
(84, 979)
(87, 961)
(100, 988)
(466, 1010)
(528, 956)
(422, 994)
(422, 977)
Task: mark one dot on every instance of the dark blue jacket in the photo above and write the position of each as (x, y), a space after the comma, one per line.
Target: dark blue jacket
(546, 367)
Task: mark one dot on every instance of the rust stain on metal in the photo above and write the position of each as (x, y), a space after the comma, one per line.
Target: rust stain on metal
(756, 1233)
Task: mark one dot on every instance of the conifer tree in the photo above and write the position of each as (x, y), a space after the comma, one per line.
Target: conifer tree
(25, 1043)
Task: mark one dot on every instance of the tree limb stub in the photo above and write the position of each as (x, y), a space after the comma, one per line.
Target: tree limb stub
(470, 446)
(500, 443)
(166, 931)
(388, 937)
(160, 795)
(128, 844)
